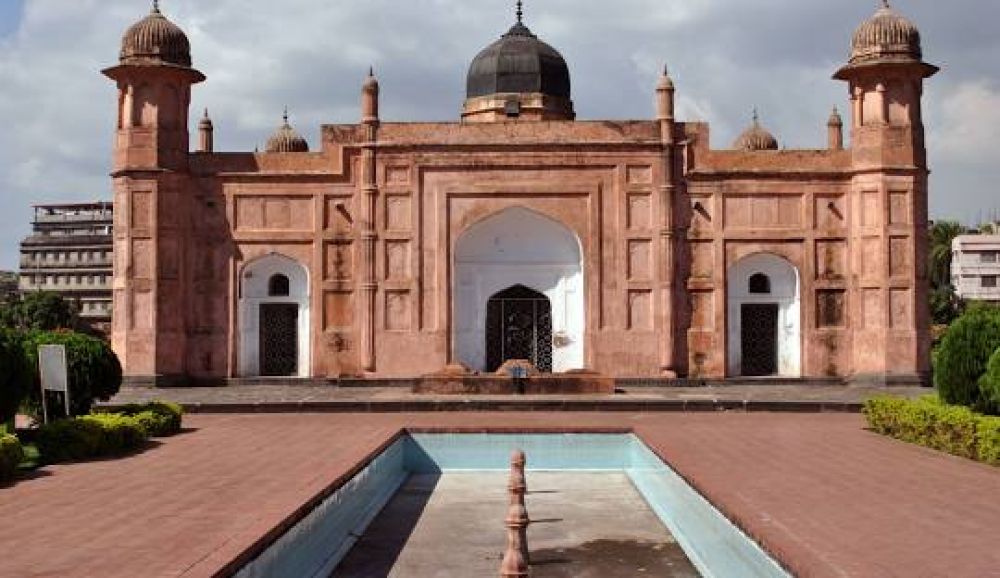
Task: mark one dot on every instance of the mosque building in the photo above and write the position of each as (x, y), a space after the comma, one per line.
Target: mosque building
(627, 248)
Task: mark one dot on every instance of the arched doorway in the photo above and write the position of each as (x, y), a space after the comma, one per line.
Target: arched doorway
(274, 318)
(519, 326)
(764, 318)
(521, 251)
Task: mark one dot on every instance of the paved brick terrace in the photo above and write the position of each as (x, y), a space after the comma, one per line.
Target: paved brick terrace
(826, 496)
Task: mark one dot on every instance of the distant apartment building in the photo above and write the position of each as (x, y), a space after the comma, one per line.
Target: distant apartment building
(69, 252)
(8, 284)
(975, 267)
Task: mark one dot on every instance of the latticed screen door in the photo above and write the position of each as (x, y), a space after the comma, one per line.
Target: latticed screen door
(279, 339)
(519, 326)
(759, 329)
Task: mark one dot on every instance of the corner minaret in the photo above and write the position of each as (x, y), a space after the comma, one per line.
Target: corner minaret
(152, 198)
(206, 134)
(835, 131)
(888, 234)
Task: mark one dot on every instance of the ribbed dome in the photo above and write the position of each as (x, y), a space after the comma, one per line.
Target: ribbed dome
(286, 140)
(756, 138)
(155, 40)
(518, 63)
(886, 36)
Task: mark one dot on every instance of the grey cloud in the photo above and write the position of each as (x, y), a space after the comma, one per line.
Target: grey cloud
(259, 55)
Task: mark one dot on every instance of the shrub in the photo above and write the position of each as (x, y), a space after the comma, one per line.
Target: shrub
(15, 380)
(93, 369)
(89, 436)
(160, 418)
(929, 422)
(989, 384)
(11, 454)
(964, 353)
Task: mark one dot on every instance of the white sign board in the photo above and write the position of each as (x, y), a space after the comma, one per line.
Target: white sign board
(52, 370)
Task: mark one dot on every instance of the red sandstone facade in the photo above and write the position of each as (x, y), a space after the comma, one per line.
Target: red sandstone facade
(378, 254)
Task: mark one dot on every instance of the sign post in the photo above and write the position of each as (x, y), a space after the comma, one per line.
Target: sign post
(52, 369)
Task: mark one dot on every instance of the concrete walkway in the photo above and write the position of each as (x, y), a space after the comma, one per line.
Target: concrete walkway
(825, 496)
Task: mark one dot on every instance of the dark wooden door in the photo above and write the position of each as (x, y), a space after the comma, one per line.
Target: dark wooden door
(759, 337)
(279, 339)
(519, 326)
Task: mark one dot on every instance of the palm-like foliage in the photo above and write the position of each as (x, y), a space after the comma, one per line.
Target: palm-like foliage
(941, 235)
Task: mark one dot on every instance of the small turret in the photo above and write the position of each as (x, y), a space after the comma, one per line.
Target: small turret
(835, 131)
(206, 139)
(369, 98)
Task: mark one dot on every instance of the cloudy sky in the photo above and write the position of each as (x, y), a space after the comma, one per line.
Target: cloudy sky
(726, 56)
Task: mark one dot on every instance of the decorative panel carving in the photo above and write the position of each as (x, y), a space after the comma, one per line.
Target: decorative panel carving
(638, 212)
(399, 175)
(899, 256)
(640, 310)
(397, 260)
(339, 261)
(142, 203)
(639, 175)
(169, 258)
(339, 216)
(277, 214)
(397, 310)
(702, 310)
(142, 259)
(398, 215)
(744, 211)
(141, 315)
(872, 309)
(829, 212)
(900, 315)
(249, 213)
(274, 214)
(702, 260)
(871, 257)
(899, 208)
(338, 309)
(831, 260)
(871, 210)
(640, 259)
(830, 307)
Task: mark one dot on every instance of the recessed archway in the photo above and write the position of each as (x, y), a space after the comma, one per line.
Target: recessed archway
(274, 318)
(519, 247)
(764, 318)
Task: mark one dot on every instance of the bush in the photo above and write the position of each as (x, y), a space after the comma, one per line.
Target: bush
(160, 418)
(964, 353)
(93, 369)
(15, 379)
(89, 436)
(929, 422)
(989, 384)
(11, 454)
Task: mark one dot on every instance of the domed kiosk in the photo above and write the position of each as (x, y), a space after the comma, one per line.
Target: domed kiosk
(518, 77)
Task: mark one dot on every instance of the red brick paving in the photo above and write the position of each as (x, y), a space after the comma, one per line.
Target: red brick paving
(826, 496)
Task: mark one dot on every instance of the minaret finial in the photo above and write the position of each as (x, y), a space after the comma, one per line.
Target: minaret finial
(371, 70)
(520, 11)
(206, 112)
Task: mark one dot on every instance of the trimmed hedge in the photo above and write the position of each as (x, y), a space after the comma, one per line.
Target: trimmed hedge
(989, 385)
(93, 369)
(930, 422)
(159, 418)
(962, 358)
(15, 379)
(11, 454)
(89, 436)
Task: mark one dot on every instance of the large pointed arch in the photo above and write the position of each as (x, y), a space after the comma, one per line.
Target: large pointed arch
(274, 312)
(518, 246)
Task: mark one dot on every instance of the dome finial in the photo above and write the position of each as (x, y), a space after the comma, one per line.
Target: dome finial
(156, 6)
(885, 4)
(520, 11)
(285, 115)
(756, 117)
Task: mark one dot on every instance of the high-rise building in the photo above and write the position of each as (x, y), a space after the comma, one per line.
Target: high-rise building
(69, 252)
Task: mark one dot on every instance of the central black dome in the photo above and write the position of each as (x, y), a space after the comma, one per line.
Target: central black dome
(518, 63)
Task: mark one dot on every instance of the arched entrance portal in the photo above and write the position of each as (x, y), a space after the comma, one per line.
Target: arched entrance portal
(274, 318)
(519, 253)
(764, 318)
(519, 326)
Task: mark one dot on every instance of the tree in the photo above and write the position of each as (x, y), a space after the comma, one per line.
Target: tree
(40, 310)
(941, 236)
